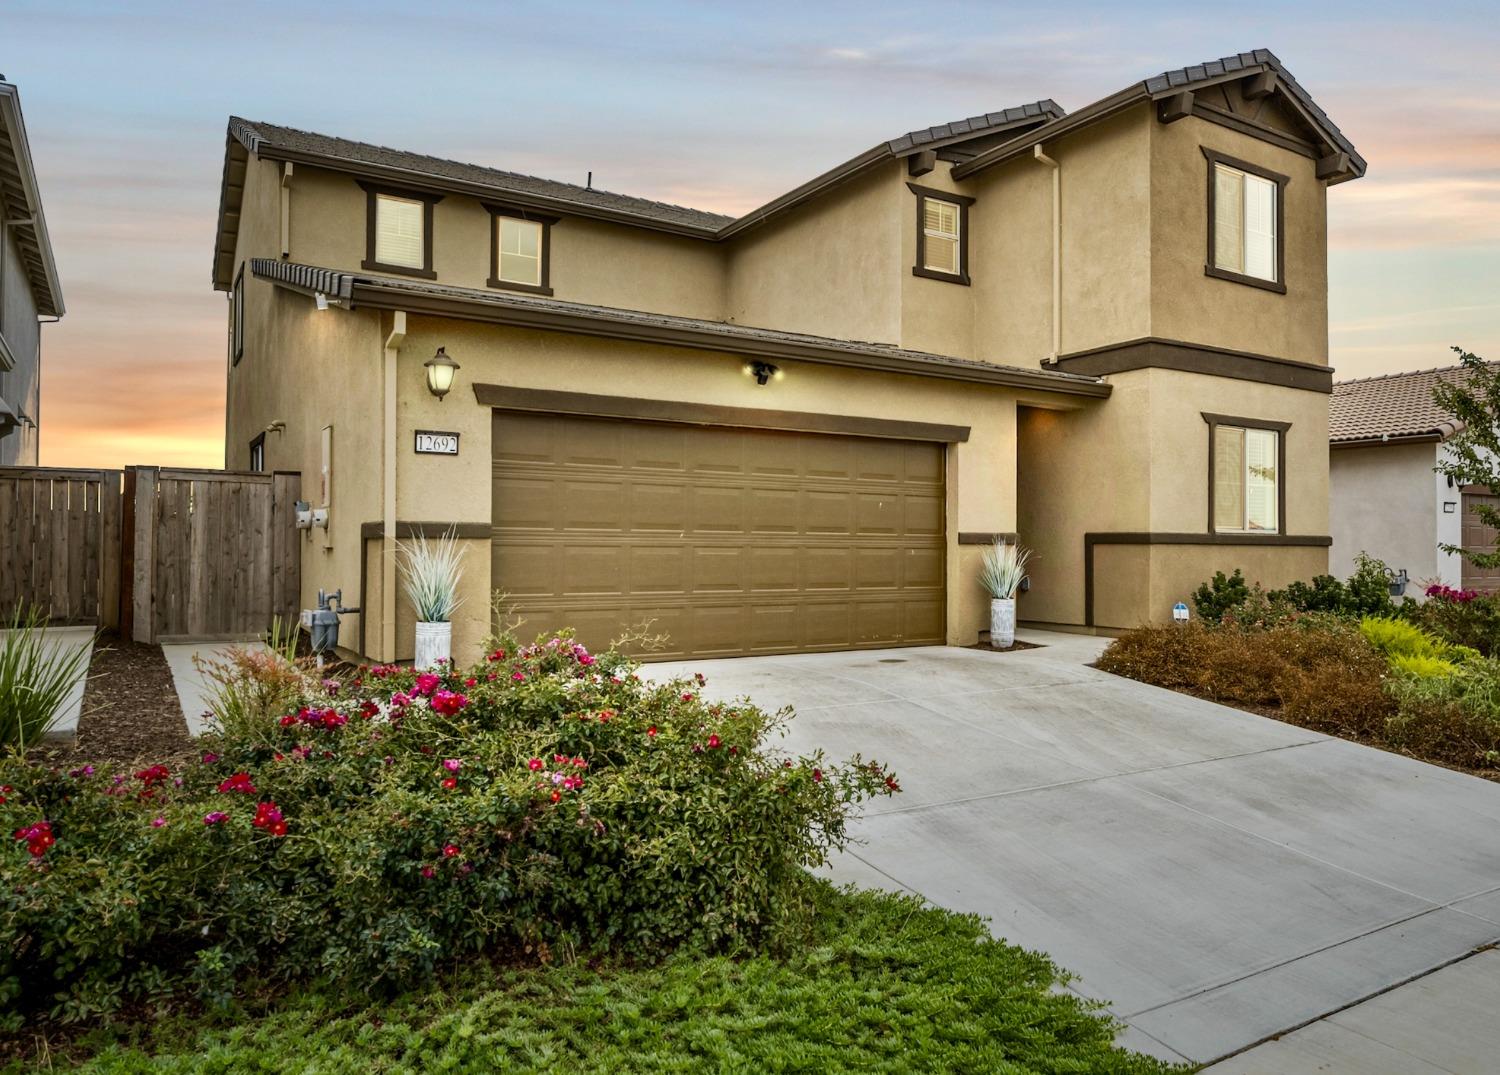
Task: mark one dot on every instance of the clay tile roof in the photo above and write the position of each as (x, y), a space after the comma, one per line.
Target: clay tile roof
(1396, 406)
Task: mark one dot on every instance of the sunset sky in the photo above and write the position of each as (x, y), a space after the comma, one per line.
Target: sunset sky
(716, 106)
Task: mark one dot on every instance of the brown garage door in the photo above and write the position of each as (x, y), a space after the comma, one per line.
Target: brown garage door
(1480, 538)
(733, 541)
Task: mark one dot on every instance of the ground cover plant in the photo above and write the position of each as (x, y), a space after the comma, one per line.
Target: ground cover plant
(1338, 657)
(878, 983)
(546, 824)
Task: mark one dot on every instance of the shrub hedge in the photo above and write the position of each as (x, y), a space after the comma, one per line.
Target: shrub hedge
(367, 832)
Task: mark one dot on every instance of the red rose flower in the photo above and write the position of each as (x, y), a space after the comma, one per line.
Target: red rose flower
(239, 782)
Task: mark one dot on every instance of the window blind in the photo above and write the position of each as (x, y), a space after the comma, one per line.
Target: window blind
(1260, 227)
(520, 251)
(940, 236)
(398, 231)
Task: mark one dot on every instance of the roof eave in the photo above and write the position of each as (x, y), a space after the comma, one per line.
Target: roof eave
(1385, 440)
(51, 304)
(378, 294)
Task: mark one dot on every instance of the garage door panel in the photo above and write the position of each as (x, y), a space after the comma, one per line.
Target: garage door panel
(658, 569)
(878, 514)
(594, 571)
(772, 511)
(733, 541)
(922, 569)
(718, 569)
(827, 512)
(658, 506)
(773, 569)
(877, 569)
(717, 509)
(530, 503)
(826, 568)
(525, 571)
(593, 505)
(923, 515)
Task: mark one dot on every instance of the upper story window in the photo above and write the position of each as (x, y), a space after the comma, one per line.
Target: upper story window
(520, 250)
(1246, 463)
(237, 318)
(942, 235)
(1245, 217)
(398, 232)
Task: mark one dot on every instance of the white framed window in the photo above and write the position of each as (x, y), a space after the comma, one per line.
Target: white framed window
(400, 231)
(942, 224)
(1246, 479)
(520, 251)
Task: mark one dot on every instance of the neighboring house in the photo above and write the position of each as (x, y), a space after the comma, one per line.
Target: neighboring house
(797, 429)
(1386, 437)
(29, 289)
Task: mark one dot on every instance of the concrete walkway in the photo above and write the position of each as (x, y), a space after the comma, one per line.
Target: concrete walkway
(1216, 877)
(193, 690)
(65, 728)
(1442, 1022)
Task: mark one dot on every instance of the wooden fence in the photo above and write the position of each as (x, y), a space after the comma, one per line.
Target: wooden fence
(163, 554)
(60, 544)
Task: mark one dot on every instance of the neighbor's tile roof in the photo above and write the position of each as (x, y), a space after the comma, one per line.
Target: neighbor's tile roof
(1396, 405)
(257, 135)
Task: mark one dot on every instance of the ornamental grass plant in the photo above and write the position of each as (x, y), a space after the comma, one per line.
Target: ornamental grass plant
(547, 803)
(36, 675)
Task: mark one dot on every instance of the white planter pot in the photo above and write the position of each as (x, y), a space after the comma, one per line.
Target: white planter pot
(1003, 622)
(434, 643)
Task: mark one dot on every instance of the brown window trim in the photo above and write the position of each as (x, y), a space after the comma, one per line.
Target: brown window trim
(427, 200)
(1280, 429)
(258, 441)
(497, 211)
(1277, 285)
(237, 317)
(963, 203)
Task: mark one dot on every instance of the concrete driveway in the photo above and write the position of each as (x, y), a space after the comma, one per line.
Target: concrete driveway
(1215, 876)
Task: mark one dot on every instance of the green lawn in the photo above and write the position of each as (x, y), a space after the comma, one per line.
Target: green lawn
(882, 984)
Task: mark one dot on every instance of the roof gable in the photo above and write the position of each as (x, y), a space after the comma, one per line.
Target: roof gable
(20, 193)
(1251, 90)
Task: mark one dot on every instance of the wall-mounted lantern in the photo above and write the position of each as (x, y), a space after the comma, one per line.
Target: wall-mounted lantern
(440, 371)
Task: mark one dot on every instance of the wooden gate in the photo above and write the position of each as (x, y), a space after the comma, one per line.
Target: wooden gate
(215, 553)
(60, 538)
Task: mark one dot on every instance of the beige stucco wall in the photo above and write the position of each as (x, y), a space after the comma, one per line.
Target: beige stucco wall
(1384, 501)
(1140, 465)
(592, 261)
(830, 267)
(1187, 304)
(1105, 185)
(308, 369)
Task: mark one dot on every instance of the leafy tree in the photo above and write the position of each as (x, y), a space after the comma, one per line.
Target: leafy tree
(1473, 456)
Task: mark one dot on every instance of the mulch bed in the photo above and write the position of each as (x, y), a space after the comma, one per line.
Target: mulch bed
(130, 709)
(982, 644)
(1274, 713)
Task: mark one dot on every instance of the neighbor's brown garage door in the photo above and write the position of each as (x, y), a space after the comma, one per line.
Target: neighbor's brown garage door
(733, 541)
(1480, 538)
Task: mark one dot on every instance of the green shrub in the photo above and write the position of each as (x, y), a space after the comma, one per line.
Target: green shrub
(1324, 594)
(1421, 666)
(1472, 622)
(546, 801)
(36, 675)
(1450, 719)
(1398, 638)
(1219, 595)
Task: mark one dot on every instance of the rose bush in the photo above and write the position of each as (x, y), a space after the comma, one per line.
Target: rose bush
(547, 800)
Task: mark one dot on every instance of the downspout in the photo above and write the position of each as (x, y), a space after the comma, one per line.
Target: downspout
(393, 344)
(286, 209)
(1056, 249)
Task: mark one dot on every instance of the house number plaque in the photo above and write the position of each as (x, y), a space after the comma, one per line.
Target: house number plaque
(432, 442)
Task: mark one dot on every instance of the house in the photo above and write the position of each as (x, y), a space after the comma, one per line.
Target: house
(1386, 438)
(797, 429)
(29, 288)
